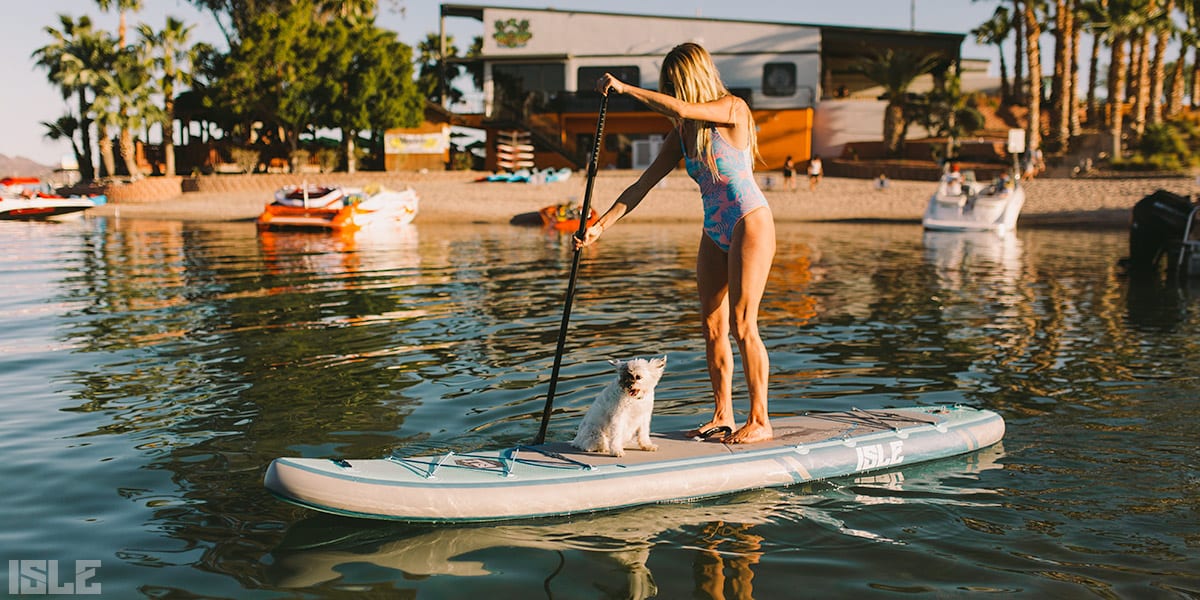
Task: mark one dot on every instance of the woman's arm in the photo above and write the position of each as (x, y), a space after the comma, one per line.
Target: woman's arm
(668, 158)
(723, 111)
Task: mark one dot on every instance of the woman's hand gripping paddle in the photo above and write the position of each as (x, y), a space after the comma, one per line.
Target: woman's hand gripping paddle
(584, 213)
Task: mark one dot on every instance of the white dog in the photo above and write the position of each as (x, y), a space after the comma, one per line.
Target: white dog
(621, 413)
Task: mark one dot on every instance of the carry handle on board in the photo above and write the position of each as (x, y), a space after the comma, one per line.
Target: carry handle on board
(584, 213)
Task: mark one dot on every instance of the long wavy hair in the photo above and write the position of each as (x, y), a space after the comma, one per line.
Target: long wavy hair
(689, 74)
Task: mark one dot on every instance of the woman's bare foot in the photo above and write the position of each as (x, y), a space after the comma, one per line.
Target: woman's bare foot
(750, 433)
(708, 428)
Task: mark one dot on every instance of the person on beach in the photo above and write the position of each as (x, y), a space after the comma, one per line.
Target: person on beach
(814, 173)
(789, 174)
(713, 132)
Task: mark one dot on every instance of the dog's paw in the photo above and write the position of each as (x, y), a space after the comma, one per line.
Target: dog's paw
(617, 452)
(650, 448)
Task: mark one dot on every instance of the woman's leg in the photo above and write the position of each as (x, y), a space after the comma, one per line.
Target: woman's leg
(750, 256)
(712, 281)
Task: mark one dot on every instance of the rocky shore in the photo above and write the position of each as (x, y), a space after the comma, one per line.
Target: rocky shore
(456, 197)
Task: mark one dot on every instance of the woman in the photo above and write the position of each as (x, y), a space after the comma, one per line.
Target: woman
(814, 173)
(714, 133)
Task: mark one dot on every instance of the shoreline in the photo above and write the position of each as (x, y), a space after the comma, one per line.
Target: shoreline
(456, 197)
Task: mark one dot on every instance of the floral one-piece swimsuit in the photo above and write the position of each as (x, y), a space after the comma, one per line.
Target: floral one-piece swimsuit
(729, 196)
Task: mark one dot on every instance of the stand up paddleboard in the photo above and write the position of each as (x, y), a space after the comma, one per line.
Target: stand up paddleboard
(554, 479)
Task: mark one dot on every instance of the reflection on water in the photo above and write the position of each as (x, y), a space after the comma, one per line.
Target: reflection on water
(725, 538)
(153, 369)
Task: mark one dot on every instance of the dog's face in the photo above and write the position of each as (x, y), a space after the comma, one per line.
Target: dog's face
(639, 376)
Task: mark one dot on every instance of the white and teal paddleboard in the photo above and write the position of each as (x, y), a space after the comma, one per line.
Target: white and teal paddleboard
(555, 479)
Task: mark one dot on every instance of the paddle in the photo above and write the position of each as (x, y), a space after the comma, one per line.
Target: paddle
(584, 213)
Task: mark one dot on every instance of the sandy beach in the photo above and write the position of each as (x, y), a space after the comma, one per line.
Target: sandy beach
(456, 197)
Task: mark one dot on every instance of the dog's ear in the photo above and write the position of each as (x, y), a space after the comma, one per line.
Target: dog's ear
(659, 363)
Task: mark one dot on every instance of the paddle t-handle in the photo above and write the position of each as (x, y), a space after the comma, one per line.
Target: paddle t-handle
(584, 213)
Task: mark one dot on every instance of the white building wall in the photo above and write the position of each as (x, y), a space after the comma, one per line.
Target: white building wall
(740, 49)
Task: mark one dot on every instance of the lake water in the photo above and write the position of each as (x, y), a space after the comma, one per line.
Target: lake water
(151, 370)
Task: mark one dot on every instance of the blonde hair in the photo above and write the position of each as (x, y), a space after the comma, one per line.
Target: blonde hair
(689, 74)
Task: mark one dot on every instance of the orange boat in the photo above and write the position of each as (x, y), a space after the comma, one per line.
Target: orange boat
(335, 208)
(564, 217)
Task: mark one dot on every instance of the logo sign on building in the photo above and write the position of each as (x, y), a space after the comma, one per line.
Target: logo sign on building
(48, 577)
(512, 33)
(395, 142)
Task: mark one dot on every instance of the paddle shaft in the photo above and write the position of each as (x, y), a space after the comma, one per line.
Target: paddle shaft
(584, 212)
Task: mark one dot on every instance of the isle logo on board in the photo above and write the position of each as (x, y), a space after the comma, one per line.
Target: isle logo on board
(512, 33)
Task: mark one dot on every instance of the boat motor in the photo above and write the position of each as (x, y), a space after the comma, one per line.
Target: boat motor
(1156, 229)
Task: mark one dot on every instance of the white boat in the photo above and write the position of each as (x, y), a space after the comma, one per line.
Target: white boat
(28, 198)
(963, 204)
(337, 208)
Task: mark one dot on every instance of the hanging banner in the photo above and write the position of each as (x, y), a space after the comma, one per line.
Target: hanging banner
(396, 142)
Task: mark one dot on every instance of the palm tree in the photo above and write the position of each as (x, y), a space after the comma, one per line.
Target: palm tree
(1019, 37)
(1033, 31)
(1062, 94)
(1191, 9)
(1139, 22)
(122, 6)
(1123, 23)
(995, 31)
(76, 58)
(64, 128)
(1076, 35)
(1092, 16)
(1139, 81)
(173, 59)
(123, 99)
(895, 70)
(435, 74)
(1162, 28)
(1187, 39)
(947, 112)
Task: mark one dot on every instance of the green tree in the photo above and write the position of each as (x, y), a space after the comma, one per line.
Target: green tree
(173, 58)
(237, 17)
(895, 70)
(374, 87)
(274, 71)
(75, 59)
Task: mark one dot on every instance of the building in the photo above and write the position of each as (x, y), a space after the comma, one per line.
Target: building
(539, 66)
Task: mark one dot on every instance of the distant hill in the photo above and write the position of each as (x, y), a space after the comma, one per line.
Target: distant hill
(19, 166)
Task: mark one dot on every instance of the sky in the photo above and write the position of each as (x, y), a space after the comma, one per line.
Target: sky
(32, 99)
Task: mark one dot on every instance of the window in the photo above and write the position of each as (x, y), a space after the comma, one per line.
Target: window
(586, 76)
(534, 77)
(779, 79)
(525, 88)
